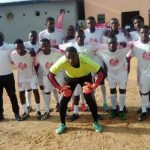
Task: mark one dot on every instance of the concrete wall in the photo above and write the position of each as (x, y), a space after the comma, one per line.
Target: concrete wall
(113, 8)
(19, 25)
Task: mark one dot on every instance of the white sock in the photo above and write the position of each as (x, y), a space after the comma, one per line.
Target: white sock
(144, 101)
(113, 98)
(28, 98)
(56, 95)
(103, 91)
(47, 102)
(24, 106)
(122, 101)
(37, 107)
(76, 109)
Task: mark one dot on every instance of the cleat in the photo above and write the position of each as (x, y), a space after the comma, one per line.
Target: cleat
(60, 129)
(45, 116)
(113, 113)
(74, 117)
(122, 115)
(97, 127)
(25, 116)
(38, 115)
(142, 117)
(18, 118)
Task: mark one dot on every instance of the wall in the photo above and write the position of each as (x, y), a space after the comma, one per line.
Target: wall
(20, 25)
(113, 8)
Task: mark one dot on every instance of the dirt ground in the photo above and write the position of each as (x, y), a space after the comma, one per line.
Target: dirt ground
(40, 135)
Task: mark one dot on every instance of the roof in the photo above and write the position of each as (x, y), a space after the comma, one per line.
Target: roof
(17, 2)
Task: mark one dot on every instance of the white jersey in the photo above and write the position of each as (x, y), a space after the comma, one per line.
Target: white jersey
(24, 64)
(5, 61)
(134, 36)
(116, 63)
(142, 52)
(29, 46)
(46, 61)
(55, 38)
(120, 38)
(94, 37)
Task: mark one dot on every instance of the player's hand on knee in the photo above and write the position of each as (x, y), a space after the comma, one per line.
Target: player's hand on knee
(66, 91)
(89, 87)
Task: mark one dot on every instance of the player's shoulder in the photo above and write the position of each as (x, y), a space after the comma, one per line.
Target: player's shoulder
(43, 32)
(137, 43)
(14, 52)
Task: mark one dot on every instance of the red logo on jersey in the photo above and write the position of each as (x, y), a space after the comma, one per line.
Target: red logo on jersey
(53, 42)
(113, 62)
(48, 65)
(146, 55)
(22, 66)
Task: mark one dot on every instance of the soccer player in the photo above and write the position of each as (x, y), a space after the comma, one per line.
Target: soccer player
(46, 57)
(7, 78)
(115, 61)
(78, 70)
(54, 35)
(141, 50)
(94, 36)
(33, 44)
(70, 37)
(27, 78)
(137, 22)
(114, 30)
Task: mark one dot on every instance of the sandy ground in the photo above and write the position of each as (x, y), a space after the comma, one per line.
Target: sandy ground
(40, 135)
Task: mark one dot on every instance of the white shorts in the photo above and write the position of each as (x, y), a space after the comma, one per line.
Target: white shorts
(144, 84)
(26, 84)
(48, 86)
(78, 90)
(120, 81)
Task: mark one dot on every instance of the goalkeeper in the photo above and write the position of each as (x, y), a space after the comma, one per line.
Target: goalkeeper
(78, 70)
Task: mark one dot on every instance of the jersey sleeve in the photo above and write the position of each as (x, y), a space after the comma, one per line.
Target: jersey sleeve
(58, 66)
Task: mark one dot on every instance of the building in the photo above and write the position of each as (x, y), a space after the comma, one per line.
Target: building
(19, 17)
(124, 10)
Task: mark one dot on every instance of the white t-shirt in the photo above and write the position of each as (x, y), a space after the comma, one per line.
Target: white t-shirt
(116, 62)
(5, 61)
(46, 61)
(142, 52)
(134, 36)
(28, 45)
(120, 38)
(94, 37)
(24, 64)
(55, 38)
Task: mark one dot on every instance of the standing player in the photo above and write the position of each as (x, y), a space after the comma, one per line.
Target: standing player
(117, 73)
(141, 50)
(7, 78)
(46, 57)
(55, 36)
(137, 22)
(78, 71)
(93, 35)
(27, 78)
(35, 45)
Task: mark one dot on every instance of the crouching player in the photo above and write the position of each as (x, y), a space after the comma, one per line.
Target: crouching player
(78, 70)
(46, 57)
(27, 79)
